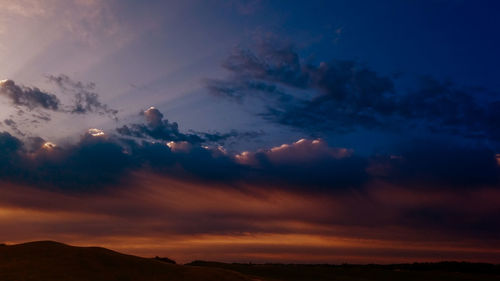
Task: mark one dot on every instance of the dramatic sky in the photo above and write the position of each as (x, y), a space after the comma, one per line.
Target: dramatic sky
(253, 130)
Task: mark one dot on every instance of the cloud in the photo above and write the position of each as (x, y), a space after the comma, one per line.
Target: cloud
(101, 161)
(159, 128)
(90, 164)
(311, 163)
(448, 164)
(305, 150)
(34, 106)
(13, 125)
(231, 137)
(433, 199)
(343, 95)
(28, 97)
(85, 99)
(301, 152)
(89, 22)
(23, 8)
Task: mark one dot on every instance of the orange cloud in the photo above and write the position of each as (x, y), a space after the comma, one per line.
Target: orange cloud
(301, 151)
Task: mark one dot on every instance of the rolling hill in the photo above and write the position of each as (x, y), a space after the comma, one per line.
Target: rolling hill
(52, 261)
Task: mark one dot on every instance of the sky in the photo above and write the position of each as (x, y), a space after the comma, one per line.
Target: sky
(253, 130)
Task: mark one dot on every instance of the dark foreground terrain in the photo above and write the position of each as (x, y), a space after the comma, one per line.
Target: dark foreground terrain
(46, 260)
(52, 261)
(406, 272)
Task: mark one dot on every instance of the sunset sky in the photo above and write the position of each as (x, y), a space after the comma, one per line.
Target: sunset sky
(253, 130)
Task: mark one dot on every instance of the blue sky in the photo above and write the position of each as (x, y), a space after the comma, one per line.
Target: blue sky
(159, 53)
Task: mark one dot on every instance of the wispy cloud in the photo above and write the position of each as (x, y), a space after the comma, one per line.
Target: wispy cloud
(86, 100)
(34, 105)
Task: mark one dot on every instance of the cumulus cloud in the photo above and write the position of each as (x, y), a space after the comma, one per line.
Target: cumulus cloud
(306, 150)
(301, 151)
(89, 164)
(311, 163)
(182, 146)
(159, 128)
(99, 160)
(342, 95)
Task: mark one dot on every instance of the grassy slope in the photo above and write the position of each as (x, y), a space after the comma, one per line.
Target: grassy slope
(52, 261)
(279, 272)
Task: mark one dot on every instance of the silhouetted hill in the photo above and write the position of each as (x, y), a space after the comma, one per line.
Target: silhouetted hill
(47, 260)
(52, 261)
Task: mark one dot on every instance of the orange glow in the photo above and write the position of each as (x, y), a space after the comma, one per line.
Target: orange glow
(188, 221)
(48, 145)
(96, 132)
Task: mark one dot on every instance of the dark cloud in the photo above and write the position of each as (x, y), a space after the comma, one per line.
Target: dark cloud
(343, 95)
(86, 100)
(9, 144)
(99, 161)
(29, 97)
(159, 128)
(442, 106)
(41, 116)
(13, 126)
(234, 135)
(40, 102)
(9, 160)
(344, 92)
(305, 163)
(91, 163)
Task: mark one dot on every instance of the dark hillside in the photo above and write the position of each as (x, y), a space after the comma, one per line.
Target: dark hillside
(52, 261)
